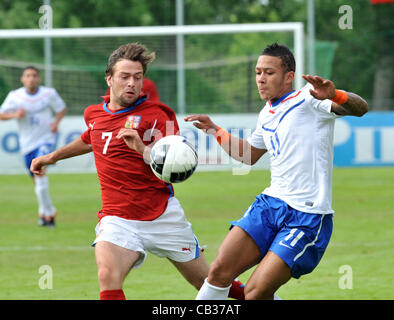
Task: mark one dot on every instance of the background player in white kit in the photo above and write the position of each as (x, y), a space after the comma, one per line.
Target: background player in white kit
(33, 106)
(287, 229)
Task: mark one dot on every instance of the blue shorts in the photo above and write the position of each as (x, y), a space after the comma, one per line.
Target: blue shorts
(298, 238)
(40, 151)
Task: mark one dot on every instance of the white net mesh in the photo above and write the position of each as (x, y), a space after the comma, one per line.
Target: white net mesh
(219, 68)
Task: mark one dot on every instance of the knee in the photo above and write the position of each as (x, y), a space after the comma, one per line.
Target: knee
(253, 292)
(109, 278)
(220, 274)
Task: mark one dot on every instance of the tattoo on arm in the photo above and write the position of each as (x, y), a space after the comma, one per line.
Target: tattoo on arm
(355, 106)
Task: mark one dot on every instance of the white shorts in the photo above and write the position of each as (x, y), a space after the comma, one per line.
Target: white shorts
(170, 235)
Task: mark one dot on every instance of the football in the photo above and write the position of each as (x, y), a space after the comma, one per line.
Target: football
(173, 159)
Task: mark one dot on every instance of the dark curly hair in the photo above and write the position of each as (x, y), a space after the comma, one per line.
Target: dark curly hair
(282, 52)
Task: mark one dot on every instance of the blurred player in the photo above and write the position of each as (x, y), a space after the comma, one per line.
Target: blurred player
(33, 107)
(139, 212)
(148, 88)
(287, 229)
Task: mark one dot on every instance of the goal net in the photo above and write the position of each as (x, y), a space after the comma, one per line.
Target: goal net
(217, 65)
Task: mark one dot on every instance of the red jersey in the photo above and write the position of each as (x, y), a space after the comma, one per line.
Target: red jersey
(129, 189)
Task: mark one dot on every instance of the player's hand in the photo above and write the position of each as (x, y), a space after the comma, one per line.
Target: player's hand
(38, 164)
(132, 139)
(20, 113)
(54, 127)
(204, 123)
(322, 88)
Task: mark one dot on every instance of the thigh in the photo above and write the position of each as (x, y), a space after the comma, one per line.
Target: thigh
(194, 271)
(120, 233)
(270, 274)
(237, 253)
(171, 235)
(260, 221)
(113, 264)
(114, 257)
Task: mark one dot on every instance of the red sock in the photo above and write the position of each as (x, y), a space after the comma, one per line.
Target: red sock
(112, 295)
(237, 290)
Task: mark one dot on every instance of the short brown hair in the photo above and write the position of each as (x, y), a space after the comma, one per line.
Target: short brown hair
(130, 51)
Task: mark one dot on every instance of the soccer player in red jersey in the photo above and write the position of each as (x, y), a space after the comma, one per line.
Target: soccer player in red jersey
(139, 212)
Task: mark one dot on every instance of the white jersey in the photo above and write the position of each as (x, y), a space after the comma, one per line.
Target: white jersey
(34, 127)
(298, 130)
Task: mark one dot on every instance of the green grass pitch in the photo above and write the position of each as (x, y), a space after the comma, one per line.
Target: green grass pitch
(363, 199)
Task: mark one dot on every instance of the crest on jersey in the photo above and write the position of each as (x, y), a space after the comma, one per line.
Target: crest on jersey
(133, 122)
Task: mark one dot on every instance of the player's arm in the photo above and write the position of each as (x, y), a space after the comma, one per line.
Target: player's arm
(73, 149)
(59, 116)
(12, 115)
(354, 106)
(239, 149)
(344, 103)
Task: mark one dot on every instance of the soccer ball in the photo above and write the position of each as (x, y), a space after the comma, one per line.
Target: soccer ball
(173, 159)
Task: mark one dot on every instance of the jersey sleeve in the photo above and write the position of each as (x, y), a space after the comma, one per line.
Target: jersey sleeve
(57, 103)
(256, 139)
(86, 135)
(8, 104)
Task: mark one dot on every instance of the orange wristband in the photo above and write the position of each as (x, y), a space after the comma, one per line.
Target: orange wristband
(341, 97)
(222, 136)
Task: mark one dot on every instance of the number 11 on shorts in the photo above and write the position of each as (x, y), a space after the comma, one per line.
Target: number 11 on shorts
(291, 234)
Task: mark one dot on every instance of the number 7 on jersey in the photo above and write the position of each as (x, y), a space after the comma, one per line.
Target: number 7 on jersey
(107, 135)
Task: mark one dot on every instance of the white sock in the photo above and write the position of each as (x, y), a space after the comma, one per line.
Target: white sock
(41, 188)
(276, 297)
(210, 292)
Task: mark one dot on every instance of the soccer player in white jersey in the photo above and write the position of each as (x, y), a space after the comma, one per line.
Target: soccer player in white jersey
(287, 229)
(34, 107)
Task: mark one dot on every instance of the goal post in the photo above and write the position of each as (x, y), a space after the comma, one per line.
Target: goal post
(296, 28)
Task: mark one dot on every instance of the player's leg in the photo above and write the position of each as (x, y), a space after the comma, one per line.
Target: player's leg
(270, 274)
(113, 264)
(118, 249)
(245, 245)
(236, 254)
(46, 210)
(42, 186)
(296, 250)
(194, 271)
